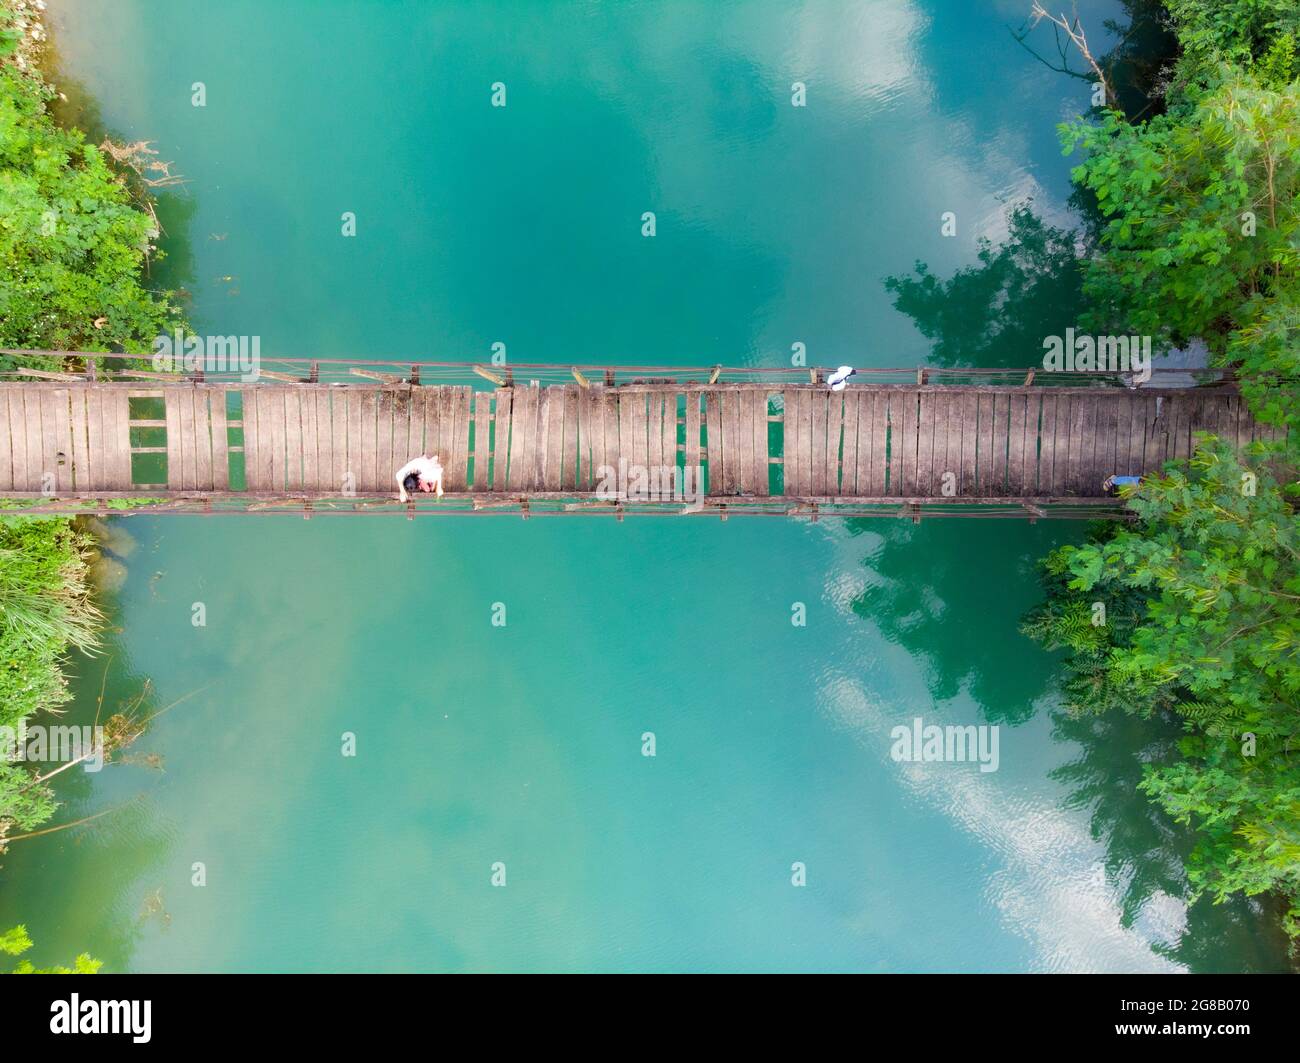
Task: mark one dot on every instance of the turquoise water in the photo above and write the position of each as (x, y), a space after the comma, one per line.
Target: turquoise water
(522, 744)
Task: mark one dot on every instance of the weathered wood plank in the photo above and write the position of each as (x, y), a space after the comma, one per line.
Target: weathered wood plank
(6, 446)
(203, 439)
(310, 439)
(834, 440)
(1016, 416)
(97, 455)
(966, 484)
(852, 419)
(13, 398)
(503, 403)
(458, 471)
(518, 440)
(175, 458)
(554, 459)
(890, 457)
(877, 466)
(482, 439)
(692, 454)
(820, 404)
(220, 429)
(186, 446)
(570, 449)
(789, 443)
(762, 467)
(925, 430)
(908, 442)
(80, 464)
(713, 442)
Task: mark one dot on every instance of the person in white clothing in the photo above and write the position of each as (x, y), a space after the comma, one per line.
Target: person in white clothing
(420, 474)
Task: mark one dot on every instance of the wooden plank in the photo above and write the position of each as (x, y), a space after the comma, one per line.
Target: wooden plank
(789, 443)
(37, 464)
(13, 399)
(1047, 444)
(761, 466)
(945, 466)
(966, 482)
(691, 440)
(457, 466)
(543, 436)
(80, 466)
(879, 459)
(1001, 443)
(311, 456)
(412, 446)
(927, 428)
(908, 442)
(203, 438)
(186, 444)
(817, 451)
(713, 450)
(588, 426)
(464, 414)
(1131, 436)
(220, 429)
(56, 441)
(1015, 445)
(502, 400)
(864, 456)
(252, 448)
(984, 442)
(609, 419)
(1104, 461)
(270, 418)
(523, 439)
(6, 447)
(852, 417)
(390, 426)
(175, 459)
(553, 463)
(807, 439)
(366, 415)
(654, 431)
(738, 439)
(834, 434)
(120, 445)
(571, 446)
(339, 428)
(96, 448)
(1083, 420)
(482, 439)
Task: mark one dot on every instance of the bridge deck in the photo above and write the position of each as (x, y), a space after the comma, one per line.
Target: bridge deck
(753, 441)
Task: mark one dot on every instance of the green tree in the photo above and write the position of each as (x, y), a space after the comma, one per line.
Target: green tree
(73, 242)
(15, 942)
(1202, 623)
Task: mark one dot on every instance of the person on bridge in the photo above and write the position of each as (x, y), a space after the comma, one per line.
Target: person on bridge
(1112, 484)
(420, 474)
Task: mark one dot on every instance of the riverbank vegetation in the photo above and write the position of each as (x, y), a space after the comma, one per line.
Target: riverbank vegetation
(75, 241)
(1193, 610)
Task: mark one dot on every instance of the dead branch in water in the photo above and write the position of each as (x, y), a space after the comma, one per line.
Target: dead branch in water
(141, 158)
(1072, 27)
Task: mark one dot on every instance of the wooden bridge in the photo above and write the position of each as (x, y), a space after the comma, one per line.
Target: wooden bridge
(301, 442)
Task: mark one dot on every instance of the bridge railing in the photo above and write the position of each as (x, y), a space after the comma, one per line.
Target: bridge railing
(23, 365)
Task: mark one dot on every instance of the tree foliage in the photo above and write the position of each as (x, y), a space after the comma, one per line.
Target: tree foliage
(15, 942)
(74, 244)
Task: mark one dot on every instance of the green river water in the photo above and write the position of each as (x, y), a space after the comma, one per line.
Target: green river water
(522, 744)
